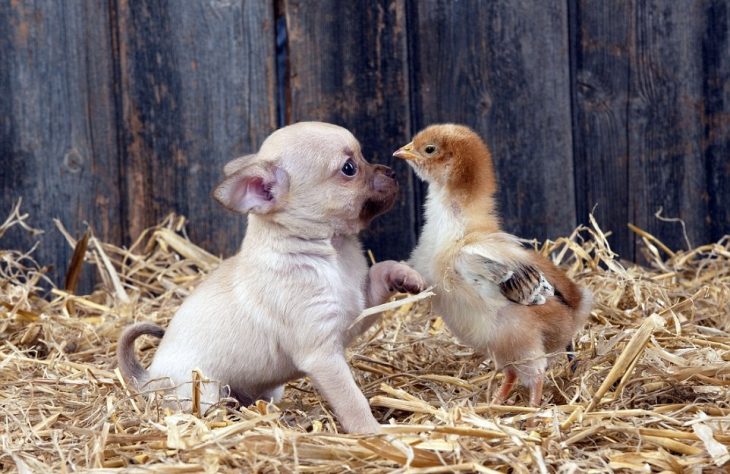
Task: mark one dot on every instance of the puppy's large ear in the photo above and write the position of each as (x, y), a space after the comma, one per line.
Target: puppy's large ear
(237, 163)
(257, 188)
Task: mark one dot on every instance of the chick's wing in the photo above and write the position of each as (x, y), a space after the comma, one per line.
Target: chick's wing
(498, 262)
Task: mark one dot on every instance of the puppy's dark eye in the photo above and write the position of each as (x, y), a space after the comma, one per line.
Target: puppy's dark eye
(430, 149)
(349, 168)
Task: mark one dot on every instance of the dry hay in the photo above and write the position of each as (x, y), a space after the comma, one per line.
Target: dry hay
(650, 391)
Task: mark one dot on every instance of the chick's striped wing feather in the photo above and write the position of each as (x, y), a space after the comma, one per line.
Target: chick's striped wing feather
(502, 262)
(527, 285)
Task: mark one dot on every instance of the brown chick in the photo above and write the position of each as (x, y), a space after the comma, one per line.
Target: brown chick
(495, 295)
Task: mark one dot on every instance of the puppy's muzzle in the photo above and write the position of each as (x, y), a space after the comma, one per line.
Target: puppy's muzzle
(382, 193)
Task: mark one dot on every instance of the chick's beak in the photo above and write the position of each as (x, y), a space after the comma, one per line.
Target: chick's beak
(407, 153)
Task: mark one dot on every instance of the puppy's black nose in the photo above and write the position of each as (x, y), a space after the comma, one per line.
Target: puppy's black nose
(384, 170)
(384, 179)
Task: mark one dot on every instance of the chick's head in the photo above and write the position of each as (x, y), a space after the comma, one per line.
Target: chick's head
(451, 156)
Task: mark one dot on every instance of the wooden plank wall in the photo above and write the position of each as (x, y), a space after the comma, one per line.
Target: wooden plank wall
(346, 66)
(116, 113)
(58, 123)
(196, 88)
(651, 95)
(503, 69)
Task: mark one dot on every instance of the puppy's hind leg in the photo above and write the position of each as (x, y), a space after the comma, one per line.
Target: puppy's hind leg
(209, 393)
(196, 393)
(274, 395)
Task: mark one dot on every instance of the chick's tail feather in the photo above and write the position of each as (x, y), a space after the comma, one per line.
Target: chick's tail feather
(129, 366)
(584, 307)
(582, 311)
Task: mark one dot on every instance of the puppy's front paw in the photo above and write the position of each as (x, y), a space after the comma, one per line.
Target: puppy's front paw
(404, 279)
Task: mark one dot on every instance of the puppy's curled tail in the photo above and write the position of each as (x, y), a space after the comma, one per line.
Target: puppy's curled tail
(129, 366)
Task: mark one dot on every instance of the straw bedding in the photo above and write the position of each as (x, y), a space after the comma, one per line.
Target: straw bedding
(650, 391)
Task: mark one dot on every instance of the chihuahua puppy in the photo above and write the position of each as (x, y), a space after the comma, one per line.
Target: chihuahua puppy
(283, 307)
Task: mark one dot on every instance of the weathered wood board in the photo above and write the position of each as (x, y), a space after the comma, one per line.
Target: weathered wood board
(347, 65)
(117, 113)
(600, 85)
(58, 126)
(715, 52)
(665, 129)
(502, 68)
(650, 119)
(196, 89)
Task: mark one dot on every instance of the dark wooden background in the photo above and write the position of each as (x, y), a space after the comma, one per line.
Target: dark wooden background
(118, 112)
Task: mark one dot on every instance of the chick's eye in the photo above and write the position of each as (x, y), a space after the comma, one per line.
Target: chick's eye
(430, 149)
(349, 168)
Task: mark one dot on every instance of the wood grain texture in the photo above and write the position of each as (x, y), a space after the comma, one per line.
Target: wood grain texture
(502, 68)
(119, 112)
(665, 127)
(716, 114)
(600, 82)
(57, 124)
(197, 86)
(347, 65)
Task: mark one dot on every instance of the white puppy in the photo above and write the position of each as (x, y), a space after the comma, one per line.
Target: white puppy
(283, 307)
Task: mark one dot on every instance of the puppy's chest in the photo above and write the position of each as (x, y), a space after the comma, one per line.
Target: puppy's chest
(347, 278)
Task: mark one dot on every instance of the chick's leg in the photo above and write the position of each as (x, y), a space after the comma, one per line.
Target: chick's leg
(536, 392)
(520, 347)
(510, 376)
(533, 375)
